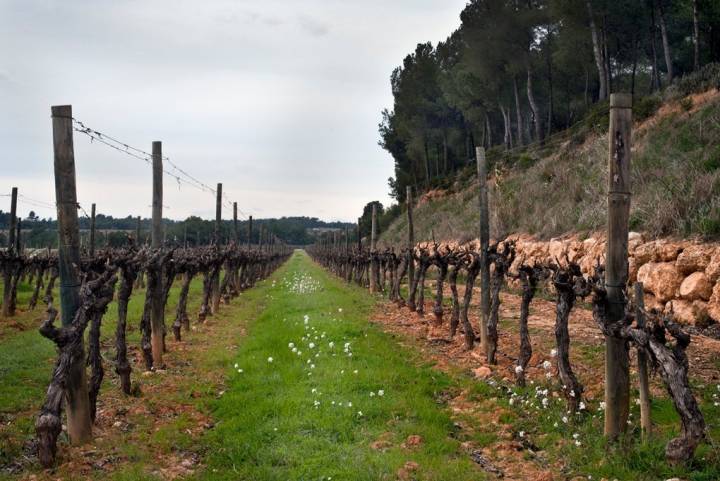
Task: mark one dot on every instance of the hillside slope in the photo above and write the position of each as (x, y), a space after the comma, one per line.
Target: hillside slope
(562, 189)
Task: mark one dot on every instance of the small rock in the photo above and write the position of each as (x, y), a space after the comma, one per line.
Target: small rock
(482, 372)
(413, 440)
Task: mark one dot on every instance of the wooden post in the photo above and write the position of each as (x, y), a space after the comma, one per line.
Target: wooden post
(643, 381)
(617, 375)
(8, 306)
(215, 305)
(347, 241)
(359, 239)
(77, 401)
(18, 240)
(185, 236)
(92, 230)
(411, 236)
(137, 231)
(373, 240)
(157, 313)
(235, 224)
(249, 231)
(484, 246)
(13, 218)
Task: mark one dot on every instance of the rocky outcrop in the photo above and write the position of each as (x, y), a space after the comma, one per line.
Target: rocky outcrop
(678, 275)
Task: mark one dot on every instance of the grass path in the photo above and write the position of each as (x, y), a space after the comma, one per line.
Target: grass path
(325, 395)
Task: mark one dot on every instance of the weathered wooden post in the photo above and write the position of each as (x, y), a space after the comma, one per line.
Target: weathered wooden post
(9, 306)
(359, 239)
(215, 304)
(13, 218)
(235, 224)
(249, 231)
(373, 260)
(92, 230)
(18, 239)
(643, 381)
(77, 400)
(137, 231)
(157, 313)
(411, 236)
(484, 247)
(617, 375)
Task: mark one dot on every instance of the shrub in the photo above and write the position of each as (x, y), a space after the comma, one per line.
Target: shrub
(646, 106)
(686, 103)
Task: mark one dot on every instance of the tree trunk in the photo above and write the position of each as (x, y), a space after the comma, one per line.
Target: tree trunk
(420, 305)
(518, 114)
(488, 132)
(438, 307)
(696, 36)
(572, 388)
(537, 120)
(36, 291)
(472, 273)
(455, 316)
(506, 124)
(597, 53)
(665, 41)
(551, 95)
(122, 367)
(427, 166)
(181, 316)
(655, 79)
(528, 280)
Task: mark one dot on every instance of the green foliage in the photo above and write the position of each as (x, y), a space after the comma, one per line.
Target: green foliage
(646, 107)
(536, 58)
(42, 233)
(686, 104)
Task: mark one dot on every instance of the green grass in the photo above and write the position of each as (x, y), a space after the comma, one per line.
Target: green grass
(555, 432)
(268, 427)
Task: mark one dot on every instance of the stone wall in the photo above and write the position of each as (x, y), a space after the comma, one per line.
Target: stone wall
(681, 275)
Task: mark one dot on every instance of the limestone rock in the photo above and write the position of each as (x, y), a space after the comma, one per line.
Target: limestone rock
(482, 372)
(661, 278)
(713, 268)
(714, 303)
(691, 313)
(694, 258)
(696, 287)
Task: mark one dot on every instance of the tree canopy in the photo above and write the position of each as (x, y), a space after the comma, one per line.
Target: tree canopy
(516, 71)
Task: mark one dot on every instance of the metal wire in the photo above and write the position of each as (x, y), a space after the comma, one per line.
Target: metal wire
(180, 175)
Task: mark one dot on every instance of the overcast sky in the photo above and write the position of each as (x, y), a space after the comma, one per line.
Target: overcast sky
(277, 99)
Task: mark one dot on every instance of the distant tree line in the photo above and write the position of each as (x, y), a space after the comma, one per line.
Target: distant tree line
(39, 233)
(516, 71)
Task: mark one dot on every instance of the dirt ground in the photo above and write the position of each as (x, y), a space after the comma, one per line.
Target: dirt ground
(508, 454)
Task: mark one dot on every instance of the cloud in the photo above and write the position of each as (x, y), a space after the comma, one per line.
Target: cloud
(240, 91)
(313, 26)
